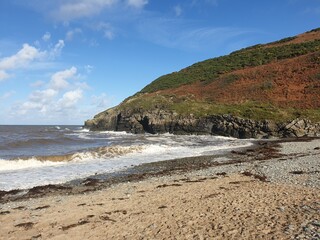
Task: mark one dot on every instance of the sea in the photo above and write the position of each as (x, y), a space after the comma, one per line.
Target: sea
(39, 155)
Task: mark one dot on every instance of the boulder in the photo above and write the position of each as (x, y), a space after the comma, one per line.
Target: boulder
(301, 128)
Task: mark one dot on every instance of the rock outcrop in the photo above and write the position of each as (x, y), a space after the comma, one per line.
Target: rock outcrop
(278, 81)
(161, 121)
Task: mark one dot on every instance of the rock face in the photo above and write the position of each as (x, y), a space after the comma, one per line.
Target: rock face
(301, 127)
(161, 121)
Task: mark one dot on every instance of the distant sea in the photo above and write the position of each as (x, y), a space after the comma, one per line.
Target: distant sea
(39, 155)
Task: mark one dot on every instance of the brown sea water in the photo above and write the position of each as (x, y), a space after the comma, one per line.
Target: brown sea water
(39, 155)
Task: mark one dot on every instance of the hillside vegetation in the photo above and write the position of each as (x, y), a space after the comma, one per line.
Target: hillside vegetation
(211, 69)
(279, 81)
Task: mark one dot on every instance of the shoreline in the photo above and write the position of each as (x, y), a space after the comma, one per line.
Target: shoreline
(260, 150)
(99, 153)
(133, 173)
(269, 190)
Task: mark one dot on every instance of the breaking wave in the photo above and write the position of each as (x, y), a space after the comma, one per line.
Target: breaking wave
(39, 155)
(53, 160)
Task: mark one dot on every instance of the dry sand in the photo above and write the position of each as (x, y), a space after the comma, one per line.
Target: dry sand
(256, 200)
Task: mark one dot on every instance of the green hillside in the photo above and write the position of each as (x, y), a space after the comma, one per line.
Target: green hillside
(209, 70)
(265, 86)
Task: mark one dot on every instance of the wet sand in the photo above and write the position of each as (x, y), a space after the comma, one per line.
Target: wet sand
(270, 191)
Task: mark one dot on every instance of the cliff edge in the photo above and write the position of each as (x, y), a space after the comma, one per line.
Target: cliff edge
(269, 90)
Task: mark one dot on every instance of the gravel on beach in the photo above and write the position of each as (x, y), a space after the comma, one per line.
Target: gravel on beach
(269, 191)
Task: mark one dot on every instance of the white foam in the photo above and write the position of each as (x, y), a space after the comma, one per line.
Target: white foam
(82, 136)
(145, 149)
(19, 164)
(107, 153)
(82, 130)
(102, 153)
(117, 132)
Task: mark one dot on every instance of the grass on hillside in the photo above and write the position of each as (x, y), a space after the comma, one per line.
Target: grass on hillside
(209, 70)
(248, 110)
(187, 105)
(314, 30)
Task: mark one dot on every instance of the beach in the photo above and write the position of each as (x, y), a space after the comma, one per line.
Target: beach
(267, 191)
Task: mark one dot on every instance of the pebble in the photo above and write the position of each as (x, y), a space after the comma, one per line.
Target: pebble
(297, 157)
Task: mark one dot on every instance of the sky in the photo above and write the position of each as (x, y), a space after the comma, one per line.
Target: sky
(63, 61)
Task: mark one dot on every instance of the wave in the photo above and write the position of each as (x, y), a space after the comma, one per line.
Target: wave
(53, 160)
(86, 134)
(36, 142)
(19, 164)
(115, 133)
(27, 143)
(123, 153)
(82, 130)
(105, 152)
(96, 153)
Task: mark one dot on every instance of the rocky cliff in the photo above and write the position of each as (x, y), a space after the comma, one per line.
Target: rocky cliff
(161, 121)
(270, 90)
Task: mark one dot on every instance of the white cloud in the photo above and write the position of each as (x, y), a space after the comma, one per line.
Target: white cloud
(71, 33)
(185, 35)
(88, 68)
(44, 96)
(313, 11)
(210, 2)
(37, 43)
(101, 102)
(37, 84)
(82, 85)
(53, 101)
(74, 9)
(56, 51)
(65, 11)
(70, 99)
(46, 37)
(29, 57)
(137, 3)
(178, 10)
(57, 106)
(59, 80)
(3, 75)
(40, 101)
(7, 95)
(107, 30)
(26, 55)
(25, 107)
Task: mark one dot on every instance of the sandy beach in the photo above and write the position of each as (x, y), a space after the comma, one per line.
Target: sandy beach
(270, 191)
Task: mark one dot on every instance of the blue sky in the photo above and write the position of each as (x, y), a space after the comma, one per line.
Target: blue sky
(63, 61)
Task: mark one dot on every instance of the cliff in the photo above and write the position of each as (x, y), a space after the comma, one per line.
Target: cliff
(270, 90)
(161, 121)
